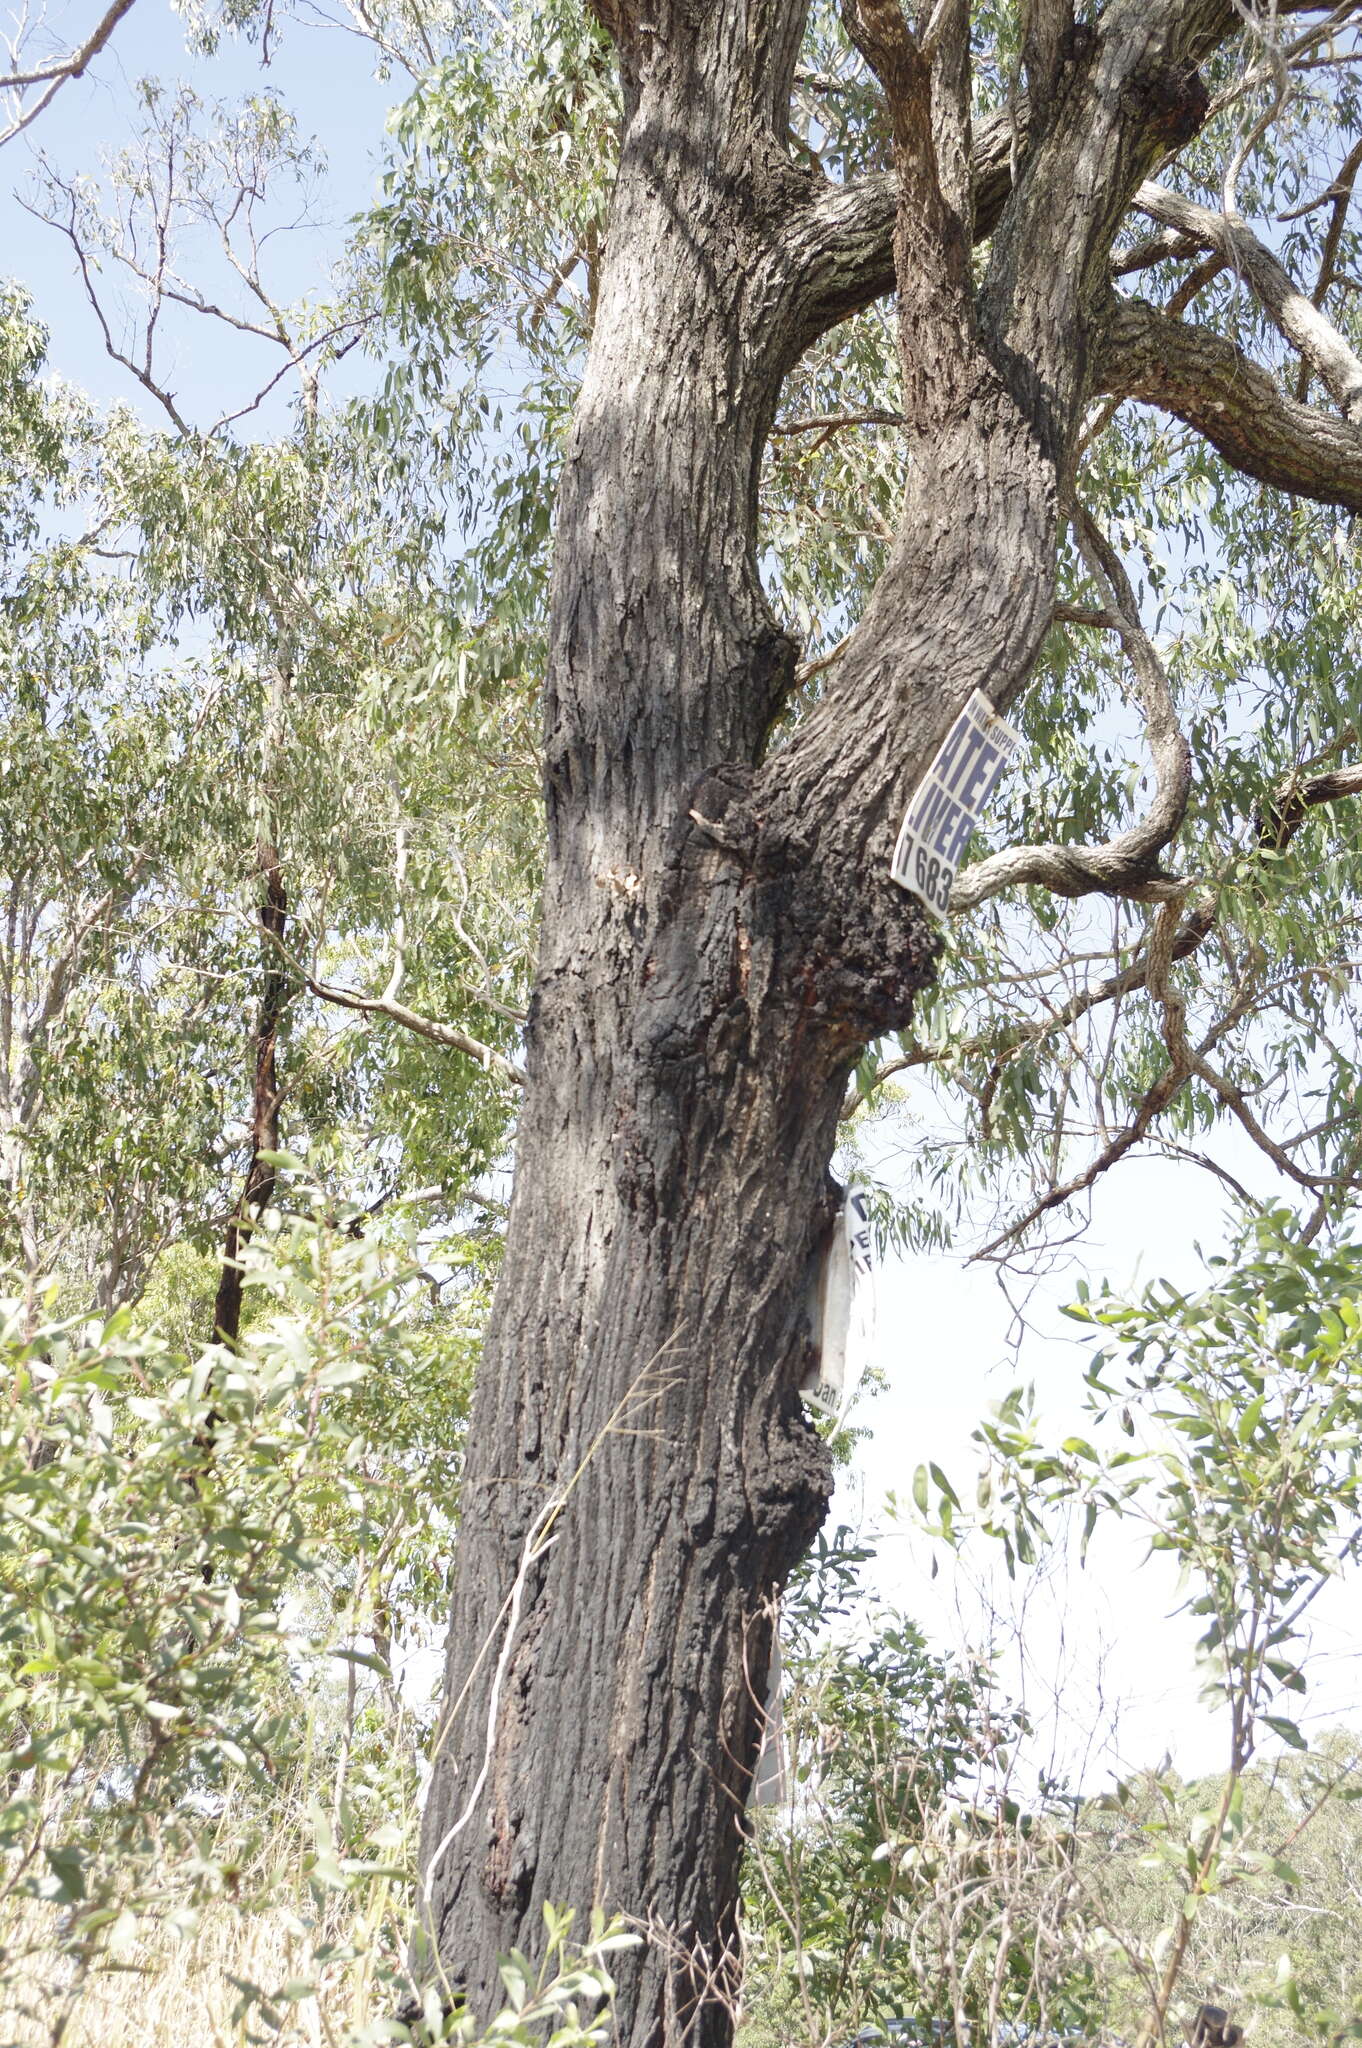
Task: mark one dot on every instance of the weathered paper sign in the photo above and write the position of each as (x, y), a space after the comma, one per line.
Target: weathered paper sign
(842, 1312)
(947, 804)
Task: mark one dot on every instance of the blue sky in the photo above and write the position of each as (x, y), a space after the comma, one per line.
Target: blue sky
(324, 74)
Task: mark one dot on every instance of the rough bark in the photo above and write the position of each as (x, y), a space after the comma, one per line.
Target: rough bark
(1206, 381)
(1321, 345)
(720, 937)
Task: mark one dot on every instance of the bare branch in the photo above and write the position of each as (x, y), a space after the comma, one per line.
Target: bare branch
(1155, 1100)
(1167, 247)
(1128, 864)
(1188, 1060)
(298, 361)
(1338, 188)
(141, 371)
(1279, 818)
(438, 1033)
(1198, 923)
(1067, 614)
(1341, 192)
(55, 75)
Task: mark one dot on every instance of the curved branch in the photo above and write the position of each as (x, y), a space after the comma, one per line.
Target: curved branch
(1064, 871)
(1210, 384)
(1200, 920)
(1298, 318)
(1279, 819)
(1158, 960)
(388, 1006)
(1128, 864)
(487, 1056)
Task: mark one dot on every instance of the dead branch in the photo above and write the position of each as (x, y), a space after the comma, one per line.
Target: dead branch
(438, 1033)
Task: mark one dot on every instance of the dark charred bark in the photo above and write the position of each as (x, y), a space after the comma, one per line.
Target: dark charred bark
(720, 937)
(258, 1189)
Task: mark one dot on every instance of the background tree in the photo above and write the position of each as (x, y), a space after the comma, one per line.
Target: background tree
(898, 1877)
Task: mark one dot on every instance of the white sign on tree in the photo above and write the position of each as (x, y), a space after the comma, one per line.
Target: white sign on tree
(947, 803)
(843, 1312)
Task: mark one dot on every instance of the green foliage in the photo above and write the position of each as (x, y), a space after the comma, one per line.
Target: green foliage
(1280, 1944)
(899, 1877)
(1225, 1423)
(206, 1560)
(316, 621)
(261, 622)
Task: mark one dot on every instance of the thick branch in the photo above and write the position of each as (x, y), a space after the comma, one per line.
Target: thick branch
(840, 245)
(928, 106)
(1165, 247)
(1047, 24)
(747, 54)
(1211, 385)
(1296, 317)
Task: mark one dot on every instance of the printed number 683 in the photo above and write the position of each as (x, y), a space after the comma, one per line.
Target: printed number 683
(931, 874)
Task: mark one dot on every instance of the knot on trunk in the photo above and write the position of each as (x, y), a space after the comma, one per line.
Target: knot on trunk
(790, 1486)
(852, 949)
(718, 813)
(867, 957)
(788, 924)
(1174, 100)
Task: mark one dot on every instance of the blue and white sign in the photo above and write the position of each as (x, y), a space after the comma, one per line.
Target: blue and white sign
(948, 802)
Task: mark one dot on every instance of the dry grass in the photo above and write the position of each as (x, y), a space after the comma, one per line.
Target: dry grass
(179, 1989)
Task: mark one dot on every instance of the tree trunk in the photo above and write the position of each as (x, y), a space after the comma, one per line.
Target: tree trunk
(258, 1189)
(720, 939)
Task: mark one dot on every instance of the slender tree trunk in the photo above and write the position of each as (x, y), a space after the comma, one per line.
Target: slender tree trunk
(258, 1189)
(720, 939)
